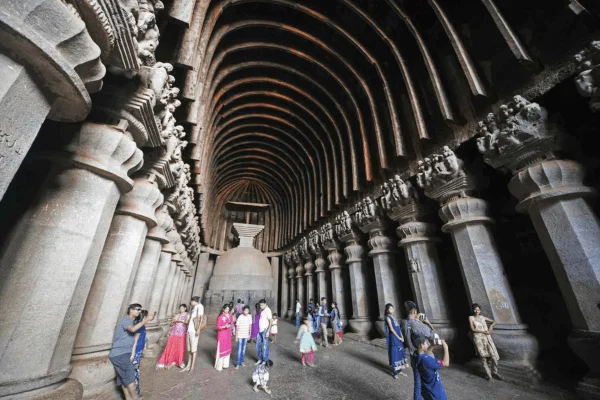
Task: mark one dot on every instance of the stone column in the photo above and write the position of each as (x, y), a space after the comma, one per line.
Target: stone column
(201, 275)
(293, 291)
(552, 192)
(300, 285)
(107, 300)
(336, 265)
(383, 251)
(360, 322)
(41, 77)
(468, 222)
(144, 278)
(275, 271)
(163, 317)
(174, 288)
(285, 291)
(321, 277)
(400, 200)
(57, 244)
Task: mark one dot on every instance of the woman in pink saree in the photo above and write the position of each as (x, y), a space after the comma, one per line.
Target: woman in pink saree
(223, 353)
(174, 352)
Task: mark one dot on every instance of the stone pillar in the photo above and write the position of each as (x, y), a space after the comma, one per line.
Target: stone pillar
(285, 292)
(293, 291)
(144, 279)
(163, 317)
(321, 277)
(57, 244)
(336, 265)
(360, 322)
(401, 202)
(174, 288)
(41, 77)
(468, 222)
(300, 285)
(107, 300)
(309, 267)
(383, 251)
(552, 192)
(275, 297)
(201, 275)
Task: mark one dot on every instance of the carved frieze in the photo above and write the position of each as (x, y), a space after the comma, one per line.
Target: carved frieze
(588, 79)
(444, 177)
(517, 135)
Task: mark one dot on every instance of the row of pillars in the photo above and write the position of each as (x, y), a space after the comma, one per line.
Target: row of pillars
(550, 190)
(93, 241)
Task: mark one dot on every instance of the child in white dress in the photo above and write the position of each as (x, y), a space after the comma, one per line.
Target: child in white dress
(274, 329)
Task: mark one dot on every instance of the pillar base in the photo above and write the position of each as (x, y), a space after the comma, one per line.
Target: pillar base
(153, 335)
(66, 390)
(361, 325)
(586, 344)
(96, 374)
(379, 325)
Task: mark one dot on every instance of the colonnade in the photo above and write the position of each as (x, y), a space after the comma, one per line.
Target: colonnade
(518, 139)
(114, 222)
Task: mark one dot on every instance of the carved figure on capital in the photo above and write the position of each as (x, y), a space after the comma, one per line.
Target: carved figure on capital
(345, 224)
(398, 193)
(314, 242)
(517, 133)
(589, 76)
(370, 211)
(328, 236)
(444, 168)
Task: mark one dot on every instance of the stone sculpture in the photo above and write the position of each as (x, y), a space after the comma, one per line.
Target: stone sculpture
(589, 76)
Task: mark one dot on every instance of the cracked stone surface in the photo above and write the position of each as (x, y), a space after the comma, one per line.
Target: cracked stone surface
(350, 371)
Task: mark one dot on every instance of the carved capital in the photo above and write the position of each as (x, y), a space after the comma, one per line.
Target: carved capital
(105, 150)
(548, 180)
(464, 210)
(397, 197)
(355, 253)
(299, 271)
(444, 177)
(517, 135)
(159, 232)
(320, 263)
(336, 259)
(328, 237)
(309, 268)
(291, 273)
(142, 201)
(588, 79)
(416, 232)
(47, 37)
(382, 244)
(171, 237)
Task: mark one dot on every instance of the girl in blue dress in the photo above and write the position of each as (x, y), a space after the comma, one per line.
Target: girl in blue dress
(395, 342)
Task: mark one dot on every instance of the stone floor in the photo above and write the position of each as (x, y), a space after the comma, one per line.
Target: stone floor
(350, 371)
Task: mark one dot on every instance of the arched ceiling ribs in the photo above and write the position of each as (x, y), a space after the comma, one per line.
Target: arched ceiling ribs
(256, 107)
(294, 129)
(266, 67)
(204, 142)
(338, 169)
(340, 144)
(278, 135)
(294, 171)
(249, 140)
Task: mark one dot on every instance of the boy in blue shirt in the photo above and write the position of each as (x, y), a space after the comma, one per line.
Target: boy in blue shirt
(428, 366)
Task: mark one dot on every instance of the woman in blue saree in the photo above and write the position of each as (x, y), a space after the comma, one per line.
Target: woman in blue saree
(395, 342)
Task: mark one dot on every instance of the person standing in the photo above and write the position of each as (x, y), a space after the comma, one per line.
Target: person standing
(264, 326)
(174, 351)
(412, 327)
(254, 332)
(139, 344)
(223, 353)
(307, 344)
(193, 332)
(298, 309)
(120, 353)
(428, 367)
(239, 308)
(336, 324)
(395, 342)
(323, 316)
(484, 344)
(274, 329)
(242, 334)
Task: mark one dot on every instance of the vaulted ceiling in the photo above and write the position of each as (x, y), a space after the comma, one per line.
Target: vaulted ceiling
(303, 104)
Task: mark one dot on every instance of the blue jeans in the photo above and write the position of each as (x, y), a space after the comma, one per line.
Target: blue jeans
(241, 351)
(417, 376)
(262, 346)
(297, 319)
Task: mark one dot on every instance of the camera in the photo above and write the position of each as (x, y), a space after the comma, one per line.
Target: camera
(436, 340)
(422, 317)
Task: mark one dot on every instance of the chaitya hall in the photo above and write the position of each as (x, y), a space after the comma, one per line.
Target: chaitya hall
(366, 151)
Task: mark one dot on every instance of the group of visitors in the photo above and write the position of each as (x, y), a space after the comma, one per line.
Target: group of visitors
(416, 336)
(410, 341)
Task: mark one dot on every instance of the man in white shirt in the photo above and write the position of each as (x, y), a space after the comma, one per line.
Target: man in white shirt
(193, 332)
(298, 308)
(264, 326)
